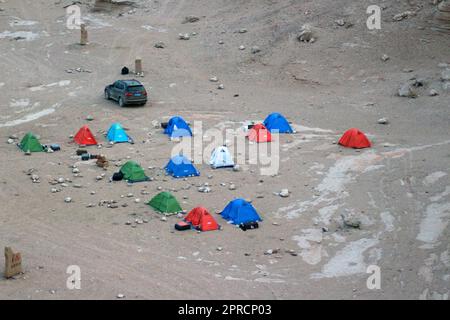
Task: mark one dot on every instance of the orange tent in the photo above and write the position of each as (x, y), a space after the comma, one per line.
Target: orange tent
(201, 219)
(354, 138)
(85, 137)
(259, 133)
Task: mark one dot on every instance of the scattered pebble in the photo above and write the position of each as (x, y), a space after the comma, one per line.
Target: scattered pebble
(284, 193)
(407, 91)
(184, 36)
(255, 49)
(383, 121)
(433, 93)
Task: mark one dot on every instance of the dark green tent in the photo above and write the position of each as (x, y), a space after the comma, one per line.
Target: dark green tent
(133, 172)
(30, 143)
(165, 203)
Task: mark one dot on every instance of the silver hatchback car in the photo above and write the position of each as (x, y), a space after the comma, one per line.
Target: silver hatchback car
(126, 92)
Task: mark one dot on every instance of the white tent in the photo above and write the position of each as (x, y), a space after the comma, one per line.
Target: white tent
(221, 158)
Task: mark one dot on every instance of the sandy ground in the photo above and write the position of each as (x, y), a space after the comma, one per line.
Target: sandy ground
(399, 189)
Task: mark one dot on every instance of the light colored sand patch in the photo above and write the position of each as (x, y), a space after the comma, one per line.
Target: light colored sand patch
(19, 103)
(354, 45)
(326, 213)
(300, 128)
(95, 22)
(433, 177)
(374, 256)
(424, 294)
(21, 35)
(332, 186)
(341, 173)
(325, 146)
(317, 166)
(426, 271)
(311, 244)
(348, 261)
(230, 278)
(338, 238)
(434, 222)
(388, 221)
(22, 23)
(401, 152)
(2, 84)
(344, 171)
(441, 195)
(151, 28)
(28, 118)
(269, 280)
(445, 258)
(373, 168)
(61, 83)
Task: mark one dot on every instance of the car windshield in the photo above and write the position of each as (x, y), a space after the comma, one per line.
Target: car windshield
(135, 89)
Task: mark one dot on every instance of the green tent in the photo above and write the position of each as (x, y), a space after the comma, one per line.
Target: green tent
(30, 143)
(165, 203)
(133, 172)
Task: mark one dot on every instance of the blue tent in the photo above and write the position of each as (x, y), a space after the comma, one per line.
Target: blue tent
(177, 127)
(180, 167)
(240, 211)
(275, 121)
(117, 134)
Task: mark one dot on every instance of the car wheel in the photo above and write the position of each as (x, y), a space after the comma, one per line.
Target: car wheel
(107, 97)
(121, 104)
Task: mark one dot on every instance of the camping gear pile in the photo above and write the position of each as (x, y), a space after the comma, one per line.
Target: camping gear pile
(238, 212)
(102, 162)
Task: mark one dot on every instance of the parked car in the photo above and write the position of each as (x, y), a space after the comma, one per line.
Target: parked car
(126, 92)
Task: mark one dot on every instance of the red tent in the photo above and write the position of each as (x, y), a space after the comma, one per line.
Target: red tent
(259, 133)
(85, 137)
(354, 138)
(201, 219)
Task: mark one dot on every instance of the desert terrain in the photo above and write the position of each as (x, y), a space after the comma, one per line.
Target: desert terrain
(398, 190)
